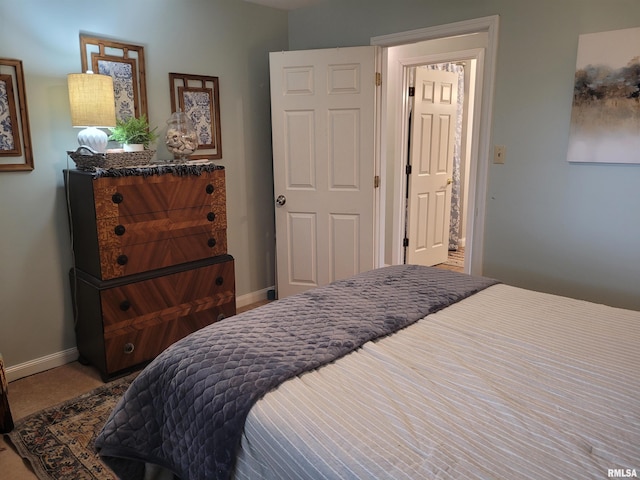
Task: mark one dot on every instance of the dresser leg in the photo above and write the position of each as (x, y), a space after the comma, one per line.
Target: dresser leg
(83, 361)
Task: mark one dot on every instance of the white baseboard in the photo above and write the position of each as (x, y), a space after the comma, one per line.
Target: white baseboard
(41, 364)
(253, 297)
(54, 360)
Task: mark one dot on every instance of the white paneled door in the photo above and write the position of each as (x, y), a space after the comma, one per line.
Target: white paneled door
(323, 124)
(431, 157)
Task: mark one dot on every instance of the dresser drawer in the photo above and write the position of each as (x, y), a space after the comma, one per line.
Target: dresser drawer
(167, 297)
(152, 226)
(139, 345)
(141, 257)
(133, 195)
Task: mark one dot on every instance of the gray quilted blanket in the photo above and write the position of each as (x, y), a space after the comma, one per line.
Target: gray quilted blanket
(187, 409)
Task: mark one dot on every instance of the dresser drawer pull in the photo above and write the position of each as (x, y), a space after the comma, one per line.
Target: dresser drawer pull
(122, 259)
(211, 242)
(125, 305)
(128, 348)
(221, 316)
(210, 188)
(211, 216)
(117, 198)
(120, 230)
(219, 281)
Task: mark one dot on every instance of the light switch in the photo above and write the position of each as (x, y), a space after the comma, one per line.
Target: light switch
(499, 152)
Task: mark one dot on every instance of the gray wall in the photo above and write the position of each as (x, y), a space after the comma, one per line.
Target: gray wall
(229, 39)
(565, 228)
(570, 229)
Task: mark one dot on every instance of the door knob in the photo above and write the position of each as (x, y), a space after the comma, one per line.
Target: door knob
(281, 200)
(449, 181)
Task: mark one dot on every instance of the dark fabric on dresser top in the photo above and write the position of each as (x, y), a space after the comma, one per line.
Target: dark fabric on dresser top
(178, 169)
(187, 409)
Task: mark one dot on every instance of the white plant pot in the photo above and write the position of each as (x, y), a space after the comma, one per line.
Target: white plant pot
(133, 147)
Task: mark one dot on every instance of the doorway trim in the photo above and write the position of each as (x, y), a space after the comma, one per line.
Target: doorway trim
(480, 145)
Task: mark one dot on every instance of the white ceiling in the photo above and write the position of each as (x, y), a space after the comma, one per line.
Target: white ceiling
(285, 4)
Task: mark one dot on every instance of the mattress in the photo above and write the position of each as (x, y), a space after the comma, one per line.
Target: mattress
(186, 411)
(507, 383)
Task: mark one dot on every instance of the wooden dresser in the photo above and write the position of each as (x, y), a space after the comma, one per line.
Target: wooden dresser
(151, 262)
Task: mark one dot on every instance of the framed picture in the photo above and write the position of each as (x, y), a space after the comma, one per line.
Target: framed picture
(605, 114)
(198, 96)
(15, 138)
(124, 63)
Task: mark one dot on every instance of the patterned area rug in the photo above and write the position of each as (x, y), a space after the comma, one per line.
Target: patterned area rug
(58, 442)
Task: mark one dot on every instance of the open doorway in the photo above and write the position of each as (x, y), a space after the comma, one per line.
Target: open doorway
(470, 41)
(441, 102)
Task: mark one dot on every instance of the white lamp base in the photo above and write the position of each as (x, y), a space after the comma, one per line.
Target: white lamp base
(93, 138)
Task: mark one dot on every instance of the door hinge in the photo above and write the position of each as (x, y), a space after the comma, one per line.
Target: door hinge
(407, 170)
(412, 91)
(405, 242)
(378, 79)
(376, 181)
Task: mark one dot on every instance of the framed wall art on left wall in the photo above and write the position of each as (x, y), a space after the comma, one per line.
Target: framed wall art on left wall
(15, 139)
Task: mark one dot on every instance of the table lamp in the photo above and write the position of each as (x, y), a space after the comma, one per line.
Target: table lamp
(92, 105)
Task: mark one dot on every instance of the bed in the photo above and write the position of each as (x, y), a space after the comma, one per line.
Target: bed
(402, 372)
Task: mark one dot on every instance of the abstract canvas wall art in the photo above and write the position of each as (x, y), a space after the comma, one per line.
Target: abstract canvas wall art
(605, 116)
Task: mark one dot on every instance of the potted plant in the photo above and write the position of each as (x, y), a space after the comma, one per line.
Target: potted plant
(133, 131)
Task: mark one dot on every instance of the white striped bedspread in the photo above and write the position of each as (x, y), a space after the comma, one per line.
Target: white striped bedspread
(506, 384)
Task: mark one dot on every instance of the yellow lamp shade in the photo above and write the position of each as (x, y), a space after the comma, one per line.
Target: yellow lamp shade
(91, 100)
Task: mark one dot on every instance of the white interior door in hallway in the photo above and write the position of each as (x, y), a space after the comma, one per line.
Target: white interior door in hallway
(431, 162)
(471, 40)
(323, 106)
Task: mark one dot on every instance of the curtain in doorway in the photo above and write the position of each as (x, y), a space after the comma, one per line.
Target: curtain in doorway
(454, 225)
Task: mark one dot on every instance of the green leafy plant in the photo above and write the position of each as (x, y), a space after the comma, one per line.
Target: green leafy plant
(133, 130)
